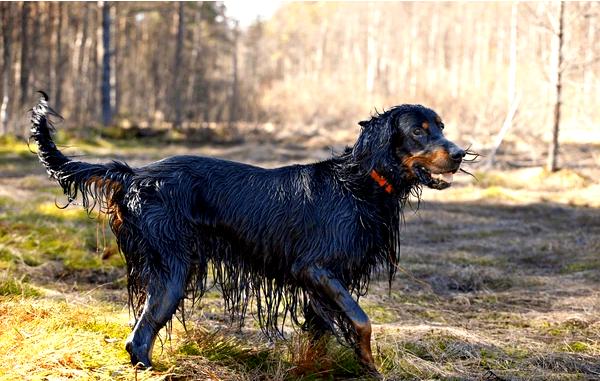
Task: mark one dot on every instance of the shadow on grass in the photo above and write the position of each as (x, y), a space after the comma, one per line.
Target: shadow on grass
(541, 238)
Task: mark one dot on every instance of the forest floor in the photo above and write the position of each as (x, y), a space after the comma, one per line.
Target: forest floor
(499, 280)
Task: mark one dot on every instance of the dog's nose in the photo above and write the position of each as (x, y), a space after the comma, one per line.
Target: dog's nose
(457, 155)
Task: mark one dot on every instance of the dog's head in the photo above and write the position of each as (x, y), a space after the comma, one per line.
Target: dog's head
(406, 145)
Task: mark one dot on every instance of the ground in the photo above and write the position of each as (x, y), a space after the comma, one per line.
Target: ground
(499, 279)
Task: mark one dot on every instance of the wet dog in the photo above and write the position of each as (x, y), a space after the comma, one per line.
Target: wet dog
(301, 240)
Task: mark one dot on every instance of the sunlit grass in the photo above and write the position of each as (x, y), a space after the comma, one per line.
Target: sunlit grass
(50, 209)
(45, 338)
(12, 145)
(34, 233)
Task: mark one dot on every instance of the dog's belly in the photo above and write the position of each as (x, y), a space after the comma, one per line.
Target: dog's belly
(225, 247)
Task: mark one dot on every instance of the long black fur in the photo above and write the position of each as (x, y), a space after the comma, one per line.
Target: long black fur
(256, 228)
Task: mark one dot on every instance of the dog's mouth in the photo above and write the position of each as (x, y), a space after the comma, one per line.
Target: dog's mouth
(434, 179)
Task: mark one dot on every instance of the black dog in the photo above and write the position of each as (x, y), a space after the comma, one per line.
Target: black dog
(302, 240)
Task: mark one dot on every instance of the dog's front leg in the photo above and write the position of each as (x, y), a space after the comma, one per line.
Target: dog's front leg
(327, 287)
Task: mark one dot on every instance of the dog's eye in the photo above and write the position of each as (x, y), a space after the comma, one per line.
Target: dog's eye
(418, 131)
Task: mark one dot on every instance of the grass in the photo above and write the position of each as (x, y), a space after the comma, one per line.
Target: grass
(18, 287)
(36, 233)
(46, 338)
(591, 265)
(9, 145)
(499, 276)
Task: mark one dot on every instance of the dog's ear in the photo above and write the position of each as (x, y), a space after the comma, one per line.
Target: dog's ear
(371, 148)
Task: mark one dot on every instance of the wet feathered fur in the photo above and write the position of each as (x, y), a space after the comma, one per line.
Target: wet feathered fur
(256, 228)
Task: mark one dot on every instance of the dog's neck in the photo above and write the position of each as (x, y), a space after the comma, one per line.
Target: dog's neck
(382, 181)
(371, 184)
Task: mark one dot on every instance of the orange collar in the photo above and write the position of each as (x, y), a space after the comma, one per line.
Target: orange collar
(382, 181)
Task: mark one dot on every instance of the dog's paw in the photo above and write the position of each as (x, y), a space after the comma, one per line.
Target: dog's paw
(138, 360)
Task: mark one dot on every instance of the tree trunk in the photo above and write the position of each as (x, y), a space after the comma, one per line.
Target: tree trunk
(106, 88)
(38, 12)
(35, 77)
(456, 60)
(512, 63)
(24, 54)
(7, 24)
(51, 27)
(115, 80)
(177, 66)
(81, 44)
(588, 75)
(373, 20)
(552, 164)
(60, 62)
(125, 59)
(195, 65)
(432, 37)
(233, 109)
(93, 110)
(413, 59)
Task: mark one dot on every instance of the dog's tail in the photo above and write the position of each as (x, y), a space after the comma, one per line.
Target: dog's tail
(97, 184)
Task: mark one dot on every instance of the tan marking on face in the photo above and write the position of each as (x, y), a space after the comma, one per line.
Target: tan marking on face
(425, 125)
(438, 119)
(438, 158)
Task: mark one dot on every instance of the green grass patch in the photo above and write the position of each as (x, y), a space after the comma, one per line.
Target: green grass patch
(225, 349)
(477, 260)
(110, 329)
(17, 287)
(576, 347)
(5, 202)
(487, 179)
(592, 264)
(41, 232)
(380, 314)
(6, 258)
(218, 347)
(12, 145)
(498, 193)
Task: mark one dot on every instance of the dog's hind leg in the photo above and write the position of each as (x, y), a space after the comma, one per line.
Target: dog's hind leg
(314, 324)
(328, 288)
(164, 294)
